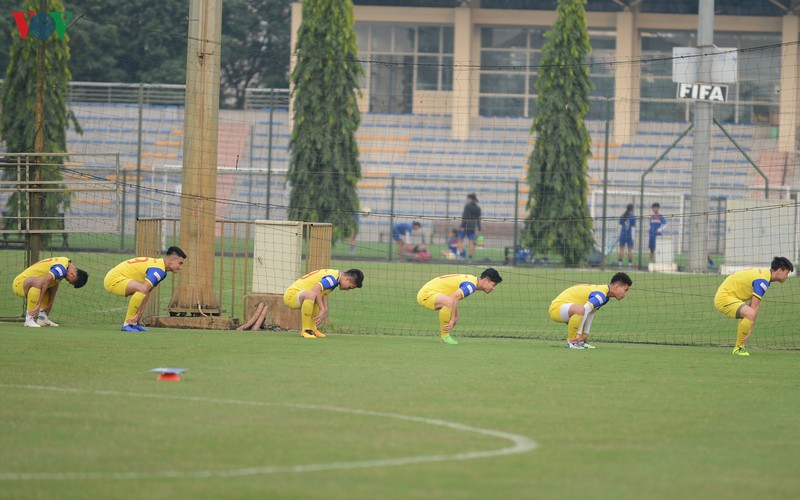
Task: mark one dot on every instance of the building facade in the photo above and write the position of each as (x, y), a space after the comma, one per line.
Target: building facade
(480, 58)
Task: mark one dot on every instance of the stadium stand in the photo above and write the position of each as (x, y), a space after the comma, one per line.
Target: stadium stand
(408, 162)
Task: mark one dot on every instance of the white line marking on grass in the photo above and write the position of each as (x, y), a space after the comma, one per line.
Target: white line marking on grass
(521, 444)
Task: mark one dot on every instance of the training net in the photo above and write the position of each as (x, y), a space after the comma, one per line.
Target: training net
(420, 157)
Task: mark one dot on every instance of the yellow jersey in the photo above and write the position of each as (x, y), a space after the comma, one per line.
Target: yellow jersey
(56, 266)
(140, 269)
(449, 283)
(597, 295)
(746, 284)
(327, 278)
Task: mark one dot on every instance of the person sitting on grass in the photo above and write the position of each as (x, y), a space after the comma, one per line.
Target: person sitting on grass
(401, 233)
(137, 278)
(310, 294)
(38, 284)
(748, 285)
(443, 293)
(576, 306)
(452, 246)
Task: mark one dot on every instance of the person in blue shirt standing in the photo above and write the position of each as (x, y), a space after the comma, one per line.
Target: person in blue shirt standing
(657, 224)
(627, 223)
(401, 233)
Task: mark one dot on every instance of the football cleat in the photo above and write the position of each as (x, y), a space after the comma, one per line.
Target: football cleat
(319, 334)
(449, 340)
(308, 334)
(128, 328)
(45, 321)
(587, 346)
(576, 345)
(139, 328)
(30, 322)
(739, 351)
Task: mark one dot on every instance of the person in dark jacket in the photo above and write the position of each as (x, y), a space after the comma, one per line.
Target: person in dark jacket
(470, 225)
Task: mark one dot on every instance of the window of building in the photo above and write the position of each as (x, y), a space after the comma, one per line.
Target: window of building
(510, 60)
(399, 59)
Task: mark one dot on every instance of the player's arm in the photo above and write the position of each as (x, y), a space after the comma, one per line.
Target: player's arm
(52, 291)
(755, 304)
(760, 287)
(139, 286)
(588, 310)
(145, 288)
(322, 318)
(322, 304)
(40, 283)
(593, 303)
(153, 276)
(138, 316)
(451, 301)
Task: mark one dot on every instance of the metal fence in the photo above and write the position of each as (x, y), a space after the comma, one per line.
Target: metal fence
(22, 179)
(251, 194)
(161, 94)
(257, 188)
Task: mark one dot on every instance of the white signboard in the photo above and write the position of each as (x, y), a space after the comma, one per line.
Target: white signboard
(276, 255)
(686, 64)
(757, 230)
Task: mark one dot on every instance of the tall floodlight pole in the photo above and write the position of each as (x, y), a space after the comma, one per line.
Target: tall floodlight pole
(703, 116)
(194, 291)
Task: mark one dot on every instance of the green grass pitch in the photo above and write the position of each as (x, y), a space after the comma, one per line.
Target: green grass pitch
(383, 409)
(270, 415)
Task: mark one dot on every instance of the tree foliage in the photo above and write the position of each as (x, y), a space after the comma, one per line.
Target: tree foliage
(324, 167)
(129, 42)
(558, 219)
(145, 42)
(18, 109)
(256, 36)
(141, 42)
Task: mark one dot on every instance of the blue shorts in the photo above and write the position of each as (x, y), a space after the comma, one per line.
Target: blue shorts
(626, 240)
(652, 243)
(469, 234)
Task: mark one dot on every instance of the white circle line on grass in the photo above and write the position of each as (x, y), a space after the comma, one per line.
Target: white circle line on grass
(520, 444)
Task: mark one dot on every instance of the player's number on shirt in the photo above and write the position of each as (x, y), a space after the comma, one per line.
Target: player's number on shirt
(137, 261)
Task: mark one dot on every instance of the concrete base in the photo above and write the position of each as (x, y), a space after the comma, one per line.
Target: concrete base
(277, 312)
(662, 267)
(195, 322)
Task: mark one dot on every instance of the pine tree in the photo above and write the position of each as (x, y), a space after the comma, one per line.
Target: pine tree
(558, 219)
(324, 168)
(18, 108)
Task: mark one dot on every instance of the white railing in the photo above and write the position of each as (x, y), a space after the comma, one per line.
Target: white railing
(152, 94)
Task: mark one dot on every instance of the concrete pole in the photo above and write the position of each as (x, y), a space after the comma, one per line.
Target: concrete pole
(462, 73)
(701, 162)
(789, 88)
(194, 292)
(627, 80)
(297, 20)
(35, 199)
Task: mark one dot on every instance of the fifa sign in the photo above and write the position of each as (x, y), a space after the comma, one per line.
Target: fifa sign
(703, 92)
(43, 24)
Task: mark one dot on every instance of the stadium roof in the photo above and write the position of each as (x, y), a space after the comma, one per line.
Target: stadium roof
(722, 7)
